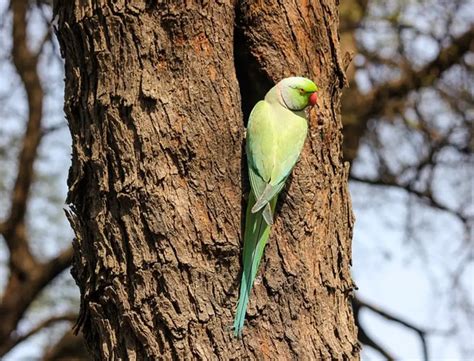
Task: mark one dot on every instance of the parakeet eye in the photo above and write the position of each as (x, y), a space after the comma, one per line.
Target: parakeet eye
(301, 91)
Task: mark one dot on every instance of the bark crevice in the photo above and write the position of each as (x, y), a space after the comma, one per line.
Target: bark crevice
(253, 82)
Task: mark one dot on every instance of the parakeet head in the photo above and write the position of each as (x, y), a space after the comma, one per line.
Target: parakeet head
(297, 93)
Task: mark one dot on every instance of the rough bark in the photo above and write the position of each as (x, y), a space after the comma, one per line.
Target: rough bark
(157, 184)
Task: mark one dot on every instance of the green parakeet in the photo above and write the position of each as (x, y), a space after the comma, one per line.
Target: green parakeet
(276, 132)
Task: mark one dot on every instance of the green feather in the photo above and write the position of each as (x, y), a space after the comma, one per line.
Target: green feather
(276, 133)
(256, 236)
(267, 214)
(269, 192)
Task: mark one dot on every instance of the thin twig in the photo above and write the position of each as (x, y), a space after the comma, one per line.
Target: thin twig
(71, 317)
(421, 332)
(426, 196)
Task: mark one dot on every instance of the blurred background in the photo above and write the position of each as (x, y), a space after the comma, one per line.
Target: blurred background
(408, 133)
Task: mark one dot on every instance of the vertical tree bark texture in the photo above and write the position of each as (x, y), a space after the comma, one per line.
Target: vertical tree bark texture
(154, 98)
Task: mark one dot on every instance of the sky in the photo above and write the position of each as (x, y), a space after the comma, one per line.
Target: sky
(388, 276)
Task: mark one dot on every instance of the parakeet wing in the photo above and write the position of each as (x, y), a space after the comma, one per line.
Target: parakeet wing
(292, 130)
(275, 137)
(256, 183)
(261, 143)
(258, 187)
(269, 192)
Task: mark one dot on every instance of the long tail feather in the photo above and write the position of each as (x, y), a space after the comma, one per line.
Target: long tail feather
(256, 236)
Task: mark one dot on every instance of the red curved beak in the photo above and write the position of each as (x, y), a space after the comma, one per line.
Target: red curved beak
(313, 99)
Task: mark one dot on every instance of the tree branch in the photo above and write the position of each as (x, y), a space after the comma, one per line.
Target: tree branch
(358, 109)
(363, 337)
(421, 333)
(55, 266)
(19, 294)
(426, 196)
(46, 323)
(23, 265)
(25, 63)
(69, 347)
(414, 80)
(27, 277)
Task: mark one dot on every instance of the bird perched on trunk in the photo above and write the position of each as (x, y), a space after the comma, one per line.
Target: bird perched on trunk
(276, 132)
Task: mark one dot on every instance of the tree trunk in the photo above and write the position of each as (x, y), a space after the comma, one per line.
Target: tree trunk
(156, 98)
